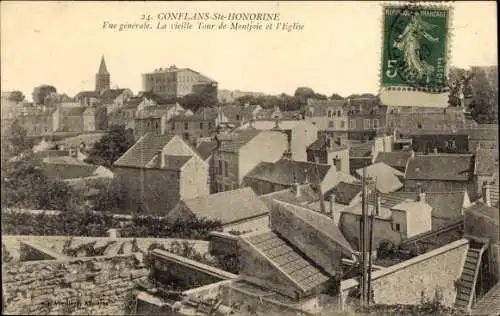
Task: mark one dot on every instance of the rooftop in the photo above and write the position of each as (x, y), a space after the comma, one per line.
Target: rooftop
(387, 179)
(344, 192)
(143, 151)
(206, 148)
(487, 162)
(448, 167)
(229, 206)
(237, 139)
(394, 159)
(288, 172)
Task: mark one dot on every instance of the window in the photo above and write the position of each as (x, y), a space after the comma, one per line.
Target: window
(339, 113)
(148, 124)
(397, 227)
(227, 187)
(201, 125)
(367, 124)
(157, 126)
(173, 126)
(419, 125)
(450, 144)
(329, 113)
(353, 124)
(310, 113)
(220, 187)
(375, 123)
(237, 117)
(209, 125)
(226, 168)
(330, 124)
(220, 168)
(342, 124)
(185, 125)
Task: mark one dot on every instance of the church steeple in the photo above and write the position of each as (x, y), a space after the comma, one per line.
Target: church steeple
(102, 78)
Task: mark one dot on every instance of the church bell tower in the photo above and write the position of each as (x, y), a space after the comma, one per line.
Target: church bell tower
(102, 78)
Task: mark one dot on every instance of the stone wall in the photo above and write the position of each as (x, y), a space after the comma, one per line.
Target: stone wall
(409, 281)
(92, 285)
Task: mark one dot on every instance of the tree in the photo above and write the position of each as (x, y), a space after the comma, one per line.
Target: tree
(18, 140)
(111, 146)
(304, 93)
(484, 96)
(43, 94)
(16, 96)
(336, 96)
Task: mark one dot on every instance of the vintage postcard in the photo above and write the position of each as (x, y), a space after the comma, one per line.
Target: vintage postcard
(249, 158)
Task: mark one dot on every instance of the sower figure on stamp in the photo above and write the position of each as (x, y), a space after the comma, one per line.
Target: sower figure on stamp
(409, 43)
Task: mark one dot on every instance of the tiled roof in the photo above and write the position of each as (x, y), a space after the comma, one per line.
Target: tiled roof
(323, 143)
(344, 192)
(386, 177)
(450, 167)
(238, 139)
(68, 171)
(143, 151)
(494, 194)
(444, 204)
(228, 206)
(487, 162)
(112, 94)
(132, 103)
(175, 162)
(412, 206)
(483, 133)
(287, 172)
(206, 148)
(361, 149)
(87, 94)
(394, 159)
(281, 254)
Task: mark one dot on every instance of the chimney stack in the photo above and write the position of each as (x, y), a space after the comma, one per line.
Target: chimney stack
(332, 204)
(297, 188)
(486, 194)
(420, 194)
(161, 159)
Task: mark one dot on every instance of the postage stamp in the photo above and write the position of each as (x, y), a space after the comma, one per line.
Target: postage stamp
(415, 47)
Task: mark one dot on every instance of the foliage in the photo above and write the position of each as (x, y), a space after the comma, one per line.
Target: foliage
(205, 96)
(16, 96)
(111, 146)
(147, 226)
(43, 94)
(336, 96)
(18, 141)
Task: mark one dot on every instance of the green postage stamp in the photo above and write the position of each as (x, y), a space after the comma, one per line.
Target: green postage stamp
(415, 48)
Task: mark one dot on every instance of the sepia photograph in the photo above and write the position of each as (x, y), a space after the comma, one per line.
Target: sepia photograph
(297, 158)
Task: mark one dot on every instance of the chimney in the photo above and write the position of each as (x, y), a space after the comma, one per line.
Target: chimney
(377, 205)
(161, 159)
(486, 194)
(332, 204)
(297, 188)
(420, 194)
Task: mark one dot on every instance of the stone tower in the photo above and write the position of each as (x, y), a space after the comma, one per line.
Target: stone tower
(102, 78)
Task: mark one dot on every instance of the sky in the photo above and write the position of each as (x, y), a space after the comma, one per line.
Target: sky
(337, 51)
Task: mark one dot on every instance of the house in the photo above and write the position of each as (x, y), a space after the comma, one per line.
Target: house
(487, 166)
(193, 127)
(447, 207)
(75, 173)
(238, 115)
(483, 136)
(299, 258)
(395, 159)
(327, 150)
(269, 177)
(238, 210)
(441, 173)
(95, 119)
(330, 117)
(88, 98)
(156, 119)
(241, 151)
(367, 118)
(387, 179)
(428, 141)
(158, 171)
(404, 118)
(114, 99)
(363, 153)
(38, 123)
(401, 221)
(300, 134)
(206, 149)
(124, 116)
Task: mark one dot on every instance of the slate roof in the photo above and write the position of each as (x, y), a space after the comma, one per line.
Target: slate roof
(287, 172)
(238, 139)
(229, 206)
(344, 192)
(361, 149)
(447, 167)
(385, 176)
(395, 159)
(206, 148)
(112, 94)
(173, 162)
(68, 171)
(207, 113)
(487, 162)
(444, 204)
(143, 151)
(488, 211)
(281, 254)
(321, 106)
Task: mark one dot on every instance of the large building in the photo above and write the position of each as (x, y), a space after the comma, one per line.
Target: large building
(173, 82)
